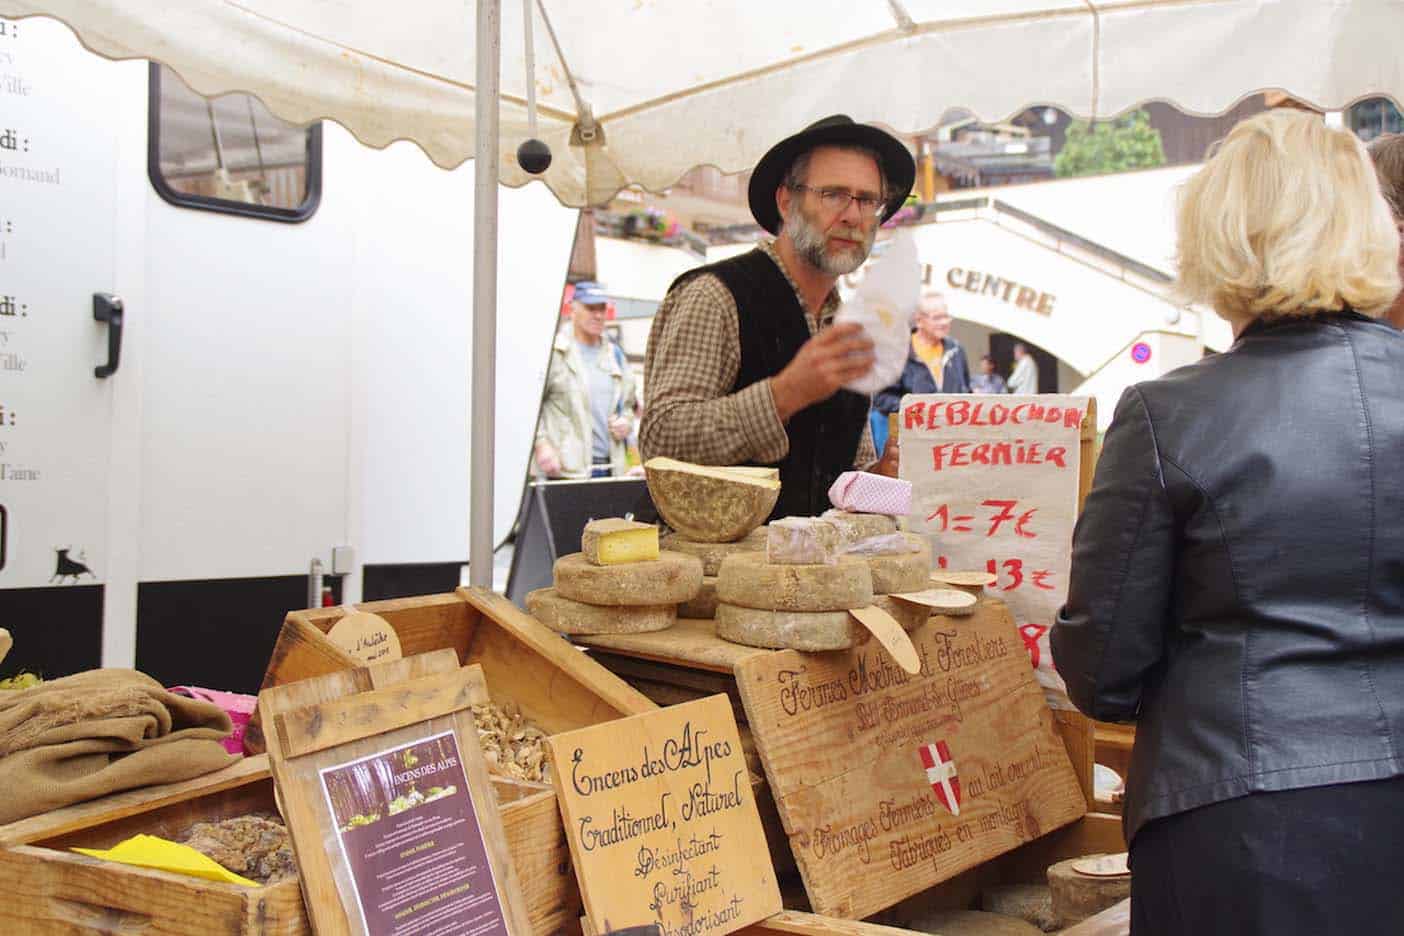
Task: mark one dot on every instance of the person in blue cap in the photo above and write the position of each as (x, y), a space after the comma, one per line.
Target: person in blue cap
(588, 411)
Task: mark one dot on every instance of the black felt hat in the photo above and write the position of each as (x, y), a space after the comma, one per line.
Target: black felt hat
(898, 167)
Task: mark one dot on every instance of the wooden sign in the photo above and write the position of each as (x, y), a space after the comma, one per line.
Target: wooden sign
(388, 803)
(662, 824)
(367, 637)
(888, 783)
(995, 488)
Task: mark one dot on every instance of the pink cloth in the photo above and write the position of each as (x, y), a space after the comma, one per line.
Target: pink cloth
(862, 492)
(239, 707)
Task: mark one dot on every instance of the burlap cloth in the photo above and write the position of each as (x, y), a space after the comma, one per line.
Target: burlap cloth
(101, 732)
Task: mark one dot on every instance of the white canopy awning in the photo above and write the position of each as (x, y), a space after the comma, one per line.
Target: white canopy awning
(671, 84)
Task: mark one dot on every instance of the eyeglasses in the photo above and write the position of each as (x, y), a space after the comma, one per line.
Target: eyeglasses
(836, 201)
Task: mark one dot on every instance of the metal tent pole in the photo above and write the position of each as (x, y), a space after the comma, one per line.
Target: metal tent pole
(484, 381)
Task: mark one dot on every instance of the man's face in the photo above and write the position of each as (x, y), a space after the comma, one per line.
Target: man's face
(589, 320)
(932, 320)
(986, 366)
(835, 243)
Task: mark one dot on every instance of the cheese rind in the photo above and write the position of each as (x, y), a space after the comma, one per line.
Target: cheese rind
(672, 578)
(905, 572)
(573, 617)
(712, 554)
(746, 579)
(802, 541)
(710, 504)
(613, 541)
(857, 527)
(704, 605)
(812, 631)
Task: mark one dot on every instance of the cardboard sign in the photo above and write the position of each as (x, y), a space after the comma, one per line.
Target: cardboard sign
(994, 487)
(888, 783)
(392, 816)
(661, 823)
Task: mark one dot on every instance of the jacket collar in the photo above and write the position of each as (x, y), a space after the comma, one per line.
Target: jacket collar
(1326, 316)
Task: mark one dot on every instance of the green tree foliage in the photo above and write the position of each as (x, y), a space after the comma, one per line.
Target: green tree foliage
(1129, 142)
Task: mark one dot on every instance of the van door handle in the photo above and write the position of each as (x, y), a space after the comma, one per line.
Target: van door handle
(108, 308)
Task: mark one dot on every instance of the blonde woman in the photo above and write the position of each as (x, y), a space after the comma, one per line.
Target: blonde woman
(1237, 580)
(1387, 150)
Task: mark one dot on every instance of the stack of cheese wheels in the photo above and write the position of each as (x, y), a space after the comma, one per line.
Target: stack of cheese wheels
(715, 512)
(704, 606)
(797, 594)
(619, 583)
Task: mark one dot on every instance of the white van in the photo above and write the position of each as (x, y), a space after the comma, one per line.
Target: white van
(285, 377)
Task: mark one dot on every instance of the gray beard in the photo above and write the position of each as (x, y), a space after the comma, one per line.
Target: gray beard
(809, 243)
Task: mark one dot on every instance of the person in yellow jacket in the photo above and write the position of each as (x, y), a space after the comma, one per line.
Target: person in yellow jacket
(588, 412)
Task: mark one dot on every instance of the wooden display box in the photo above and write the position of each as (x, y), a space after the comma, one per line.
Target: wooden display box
(556, 686)
(49, 889)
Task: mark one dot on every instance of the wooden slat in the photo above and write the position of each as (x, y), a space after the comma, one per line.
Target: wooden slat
(794, 923)
(120, 805)
(322, 725)
(1113, 921)
(690, 643)
(556, 685)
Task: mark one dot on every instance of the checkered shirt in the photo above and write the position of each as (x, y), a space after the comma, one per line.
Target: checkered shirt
(693, 357)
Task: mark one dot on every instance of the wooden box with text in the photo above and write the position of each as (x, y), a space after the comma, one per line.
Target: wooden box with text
(557, 687)
(50, 890)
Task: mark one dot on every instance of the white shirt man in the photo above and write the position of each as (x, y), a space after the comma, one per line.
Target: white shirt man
(1024, 377)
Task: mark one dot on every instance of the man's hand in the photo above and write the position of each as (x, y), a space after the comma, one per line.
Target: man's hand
(548, 460)
(832, 358)
(619, 428)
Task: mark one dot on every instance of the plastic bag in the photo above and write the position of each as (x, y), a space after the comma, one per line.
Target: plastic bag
(884, 305)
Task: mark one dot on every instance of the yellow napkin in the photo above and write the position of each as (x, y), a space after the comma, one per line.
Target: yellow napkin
(148, 851)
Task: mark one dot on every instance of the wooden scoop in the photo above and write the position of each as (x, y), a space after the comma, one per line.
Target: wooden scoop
(942, 600)
(968, 581)
(6, 642)
(889, 633)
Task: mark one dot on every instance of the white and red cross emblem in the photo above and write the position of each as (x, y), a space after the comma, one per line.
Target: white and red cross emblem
(941, 774)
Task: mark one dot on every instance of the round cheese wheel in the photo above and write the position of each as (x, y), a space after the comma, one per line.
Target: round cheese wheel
(910, 616)
(672, 578)
(746, 579)
(574, 617)
(789, 630)
(712, 554)
(904, 572)
(704, 605)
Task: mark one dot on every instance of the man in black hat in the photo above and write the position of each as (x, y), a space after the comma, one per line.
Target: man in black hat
(744, 366)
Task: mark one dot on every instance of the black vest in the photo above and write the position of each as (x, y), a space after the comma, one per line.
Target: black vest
(824, 437)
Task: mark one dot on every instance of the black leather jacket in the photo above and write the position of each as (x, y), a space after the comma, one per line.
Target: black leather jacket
(1238, 570)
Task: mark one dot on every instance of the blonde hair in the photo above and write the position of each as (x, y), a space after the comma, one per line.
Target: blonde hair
(1387, 150)
(1286, 219)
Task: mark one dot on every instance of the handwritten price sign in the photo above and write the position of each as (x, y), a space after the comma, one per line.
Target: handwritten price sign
(994, 486)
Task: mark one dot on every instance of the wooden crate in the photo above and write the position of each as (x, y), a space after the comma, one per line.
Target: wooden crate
(556, 686)
(50, 889)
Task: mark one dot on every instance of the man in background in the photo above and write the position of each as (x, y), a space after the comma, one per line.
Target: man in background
(588, 411)
(1024, 378)
(1387, 150)
(936, 362)
(987, 381)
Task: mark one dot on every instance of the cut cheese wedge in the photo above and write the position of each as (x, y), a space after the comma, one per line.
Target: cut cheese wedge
(903, 572)
(708, 504)
(614, 541)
